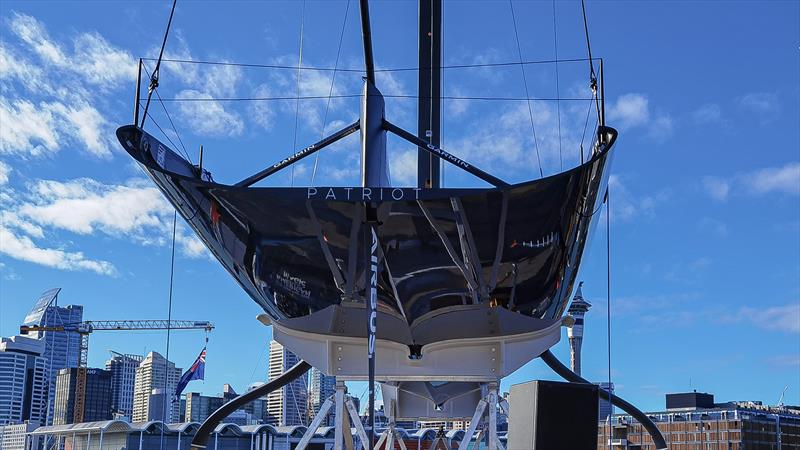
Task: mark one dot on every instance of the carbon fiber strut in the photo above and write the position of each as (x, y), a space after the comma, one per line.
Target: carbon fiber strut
(550, 359)
(204, 432)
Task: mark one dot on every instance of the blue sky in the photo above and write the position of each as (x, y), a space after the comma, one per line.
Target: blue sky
(705, 186)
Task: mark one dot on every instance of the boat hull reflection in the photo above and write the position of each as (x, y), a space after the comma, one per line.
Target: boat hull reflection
(481, 266)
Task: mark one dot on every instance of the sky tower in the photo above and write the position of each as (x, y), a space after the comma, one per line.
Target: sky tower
(577, 310)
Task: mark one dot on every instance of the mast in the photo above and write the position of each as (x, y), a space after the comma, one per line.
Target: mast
(374, 173)
(430, 84)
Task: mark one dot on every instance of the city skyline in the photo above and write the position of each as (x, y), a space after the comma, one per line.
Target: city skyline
(705, 222)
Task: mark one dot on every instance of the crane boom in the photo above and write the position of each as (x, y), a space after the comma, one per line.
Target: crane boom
(86, 327)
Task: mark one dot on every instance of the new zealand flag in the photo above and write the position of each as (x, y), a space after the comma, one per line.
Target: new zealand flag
(196, 372)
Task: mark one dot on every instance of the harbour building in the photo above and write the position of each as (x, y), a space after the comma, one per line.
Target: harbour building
(156, 379)
(96, 396)
(288, 405)
(61, 349)
(123, 378)
(692, 421)
(23, 381)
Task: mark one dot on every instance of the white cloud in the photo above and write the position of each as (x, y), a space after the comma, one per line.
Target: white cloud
(5, 172)
(717, 188)
(101, 63)
(403, 167)
(33, 33)
(134, 211)
(785, 318)
(661, 127)
(629, 110)
(790, 361)
(193, 247)
(26, 129)
(87, 126)
(626, 206)
(35, 130)
(707, 114)
(781, 180)
(633, 110)
(94, 59)
(209, 118)
(83, 206)
(764, 105)
(785, 179)
(23, 248)
(48, 93)
(262, 112)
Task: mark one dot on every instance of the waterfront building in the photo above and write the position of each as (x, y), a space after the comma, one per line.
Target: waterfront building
(15, 437)
(288, 405)
(729, 426)
(97, 396)
(156, 378)
(23, 381)
(61, 349)
(321, 387)
(123, 378)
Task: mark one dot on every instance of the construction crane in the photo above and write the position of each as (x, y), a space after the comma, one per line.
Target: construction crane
(85, 328)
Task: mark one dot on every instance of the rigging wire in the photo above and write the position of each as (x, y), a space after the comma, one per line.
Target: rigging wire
(558, 89)
(409, 96)
(152, 119)
(330, 91)
(592, 75)
(608, 304)
(168, 400)
(160, 100)
(299, 64)
(527, 94)
(154, 78)
(585, 125)
(396, 69)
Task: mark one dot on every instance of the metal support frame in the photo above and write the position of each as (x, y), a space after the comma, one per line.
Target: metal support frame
(441, 438)
(486, 407)
(390, 434)
(310, 150)
(346, 415)
(602, 118)
(468, 275)
(452, 159)
(137, 98)
(429, 104)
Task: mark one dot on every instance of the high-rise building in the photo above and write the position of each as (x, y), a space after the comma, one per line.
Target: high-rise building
(578, 310)
(23, 381)
(605, 408)
(123, 379)
(62, 349)
(321, 387)
(258, 407)
(199, 407)
(288, 405)
(97, 396)
(156, 379)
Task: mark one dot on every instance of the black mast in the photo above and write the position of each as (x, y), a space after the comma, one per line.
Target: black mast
(430, 86)
(372, 136)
